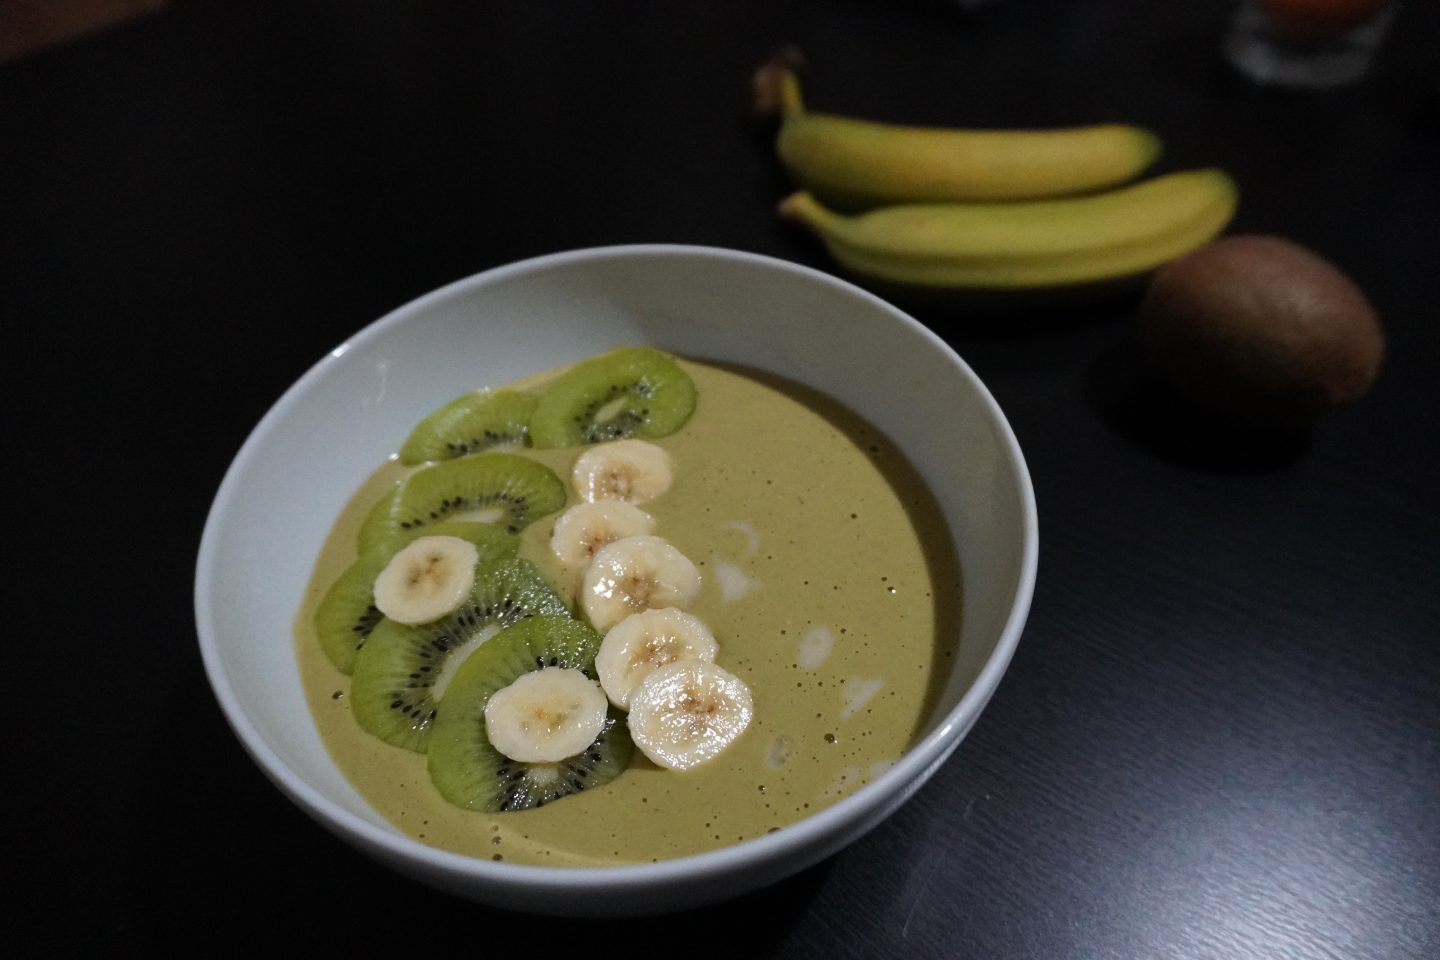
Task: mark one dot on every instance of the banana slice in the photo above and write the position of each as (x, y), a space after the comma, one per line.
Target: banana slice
(685, 713)
(586, 527)
(635, 574)
(630, 470)
(642, 642)
(545, 715)
(427, 579)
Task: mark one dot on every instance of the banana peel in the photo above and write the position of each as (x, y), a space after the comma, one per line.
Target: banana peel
(1090, 241)
(855, 164)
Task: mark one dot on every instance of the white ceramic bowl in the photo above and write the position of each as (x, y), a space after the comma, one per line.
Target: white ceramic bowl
(279, 498)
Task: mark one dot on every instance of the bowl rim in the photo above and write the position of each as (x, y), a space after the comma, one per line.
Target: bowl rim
(792, 841)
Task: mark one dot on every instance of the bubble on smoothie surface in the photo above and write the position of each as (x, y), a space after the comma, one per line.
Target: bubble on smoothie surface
(779, 752)
(814, 648)
(734, 583)
(752, 537)
(858, 691)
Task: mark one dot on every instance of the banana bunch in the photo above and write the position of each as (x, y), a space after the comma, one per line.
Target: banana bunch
(956, 209)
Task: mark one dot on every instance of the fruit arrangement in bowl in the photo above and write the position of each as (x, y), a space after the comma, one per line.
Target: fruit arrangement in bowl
(589, 648)
(662, 602)
(523, 611)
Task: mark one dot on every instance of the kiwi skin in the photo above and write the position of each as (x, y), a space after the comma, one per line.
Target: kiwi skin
(1262, 330)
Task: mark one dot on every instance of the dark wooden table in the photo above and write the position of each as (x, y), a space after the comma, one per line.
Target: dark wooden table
(1221, 734)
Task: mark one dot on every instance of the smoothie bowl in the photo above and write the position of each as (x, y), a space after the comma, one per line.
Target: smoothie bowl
(630, 579)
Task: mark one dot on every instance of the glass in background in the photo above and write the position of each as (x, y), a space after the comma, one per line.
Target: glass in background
(1307, 43)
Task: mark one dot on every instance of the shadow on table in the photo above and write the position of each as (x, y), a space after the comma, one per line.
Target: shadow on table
(1009, 314)
(1147, 412)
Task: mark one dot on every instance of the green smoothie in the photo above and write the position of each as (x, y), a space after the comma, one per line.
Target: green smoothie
(830, 582)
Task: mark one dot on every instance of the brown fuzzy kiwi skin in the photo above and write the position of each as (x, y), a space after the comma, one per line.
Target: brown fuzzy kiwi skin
(1261, 329)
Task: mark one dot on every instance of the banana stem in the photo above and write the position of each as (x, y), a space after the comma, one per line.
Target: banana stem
(802, 207)
(776, 88)
(791, 103)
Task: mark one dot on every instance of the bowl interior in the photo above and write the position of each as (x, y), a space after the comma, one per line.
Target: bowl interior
(349, 412)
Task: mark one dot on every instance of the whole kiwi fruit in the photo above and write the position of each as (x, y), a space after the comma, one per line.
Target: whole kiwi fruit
(1261, 329)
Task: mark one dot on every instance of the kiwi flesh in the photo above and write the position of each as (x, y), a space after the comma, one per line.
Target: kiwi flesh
(470, 773)
(347, 613)
(629, 392)
(393, 691)
(475, 422)
(505, 489)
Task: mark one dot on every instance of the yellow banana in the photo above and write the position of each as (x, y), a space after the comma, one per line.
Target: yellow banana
(1027, 245)
(857, 164)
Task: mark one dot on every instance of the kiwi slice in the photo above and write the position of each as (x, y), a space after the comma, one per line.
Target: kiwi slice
(397, 671)
(378, 525)
(347, 613)
(630, 392)
(473, 423)
(471, 773)
(505, 489)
